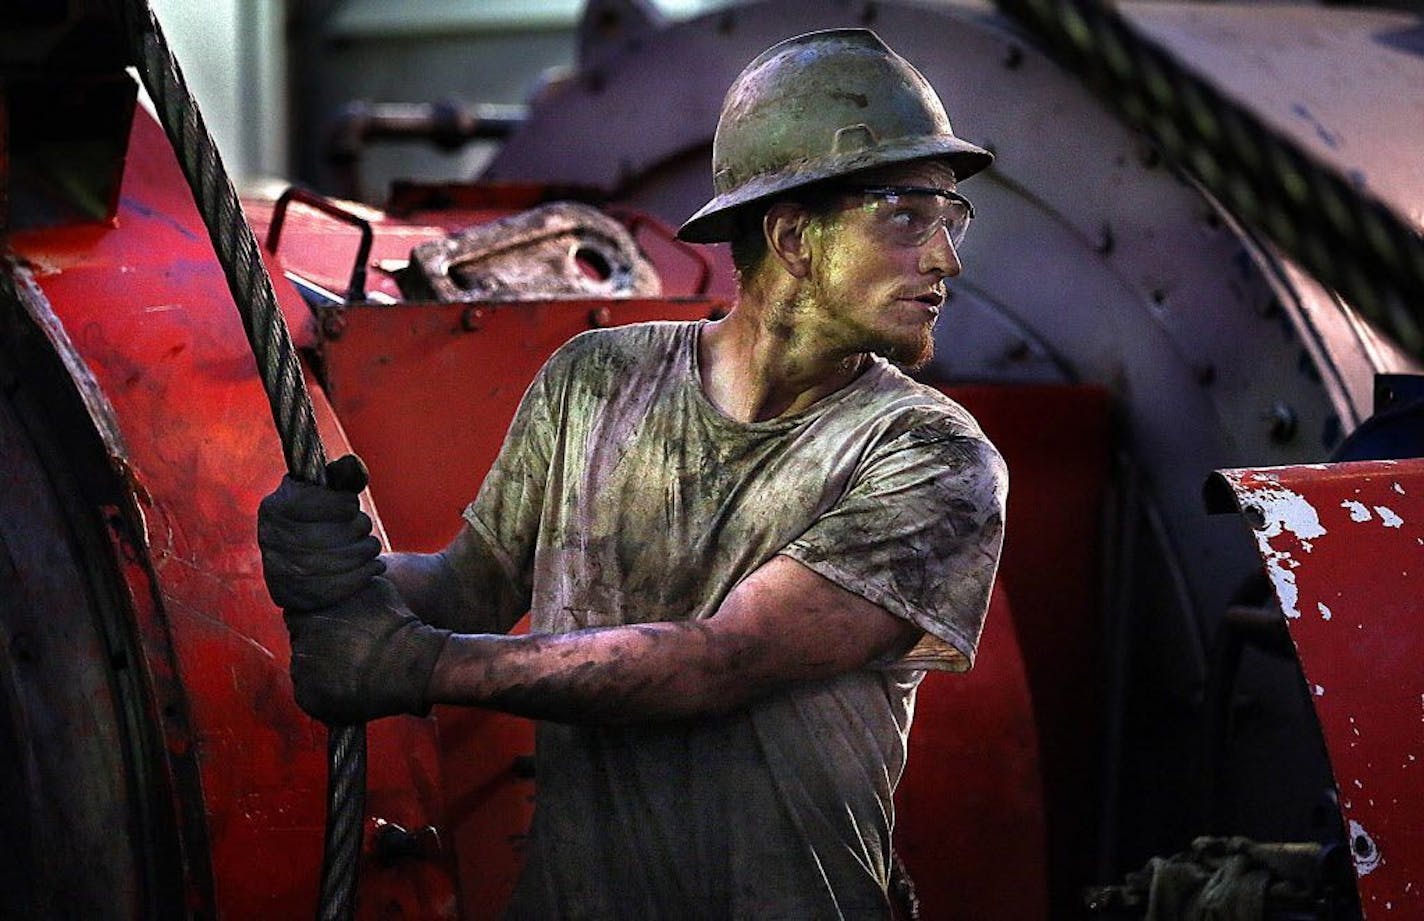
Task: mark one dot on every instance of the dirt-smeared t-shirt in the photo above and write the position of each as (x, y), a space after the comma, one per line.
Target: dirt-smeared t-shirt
(623, 496)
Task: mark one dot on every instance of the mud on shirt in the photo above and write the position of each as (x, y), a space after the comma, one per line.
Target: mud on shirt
(623, 496)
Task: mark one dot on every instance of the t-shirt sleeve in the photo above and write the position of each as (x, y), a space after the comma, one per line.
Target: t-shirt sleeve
(505, 513)
(918, 532)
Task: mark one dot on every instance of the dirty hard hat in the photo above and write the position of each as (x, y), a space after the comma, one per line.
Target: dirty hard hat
(815, 107)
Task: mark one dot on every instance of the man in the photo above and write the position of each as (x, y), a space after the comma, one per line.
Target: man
(741, 542)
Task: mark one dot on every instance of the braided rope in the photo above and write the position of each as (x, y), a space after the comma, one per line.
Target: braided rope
(1339, 233)
(281, 374)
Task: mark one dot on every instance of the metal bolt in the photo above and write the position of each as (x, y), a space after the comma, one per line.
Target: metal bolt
(333, 324)
(472, 319)
(1283, 423)
(1106, 242)
(600, 317)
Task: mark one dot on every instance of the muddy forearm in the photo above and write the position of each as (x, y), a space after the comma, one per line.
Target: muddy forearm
(612, 675)
(437, 593)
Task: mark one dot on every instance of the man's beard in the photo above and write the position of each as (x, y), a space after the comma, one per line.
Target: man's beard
(910, 355)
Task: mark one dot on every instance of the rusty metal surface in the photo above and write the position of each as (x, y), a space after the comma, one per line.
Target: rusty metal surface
(145, 307)
(561, 249)
(1343, 545)
(318, 249)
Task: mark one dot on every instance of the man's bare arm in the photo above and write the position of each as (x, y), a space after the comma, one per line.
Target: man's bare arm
(783, 624)
(460, 588)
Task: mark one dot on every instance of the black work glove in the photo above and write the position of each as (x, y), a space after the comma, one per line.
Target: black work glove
(364, 658)
(317, 545)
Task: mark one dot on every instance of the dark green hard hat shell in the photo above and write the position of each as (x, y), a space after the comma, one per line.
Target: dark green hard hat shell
(818, 106)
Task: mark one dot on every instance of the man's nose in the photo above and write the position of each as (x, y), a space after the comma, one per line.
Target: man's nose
(938, 255)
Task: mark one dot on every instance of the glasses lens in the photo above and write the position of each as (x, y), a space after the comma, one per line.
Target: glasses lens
(911, 217)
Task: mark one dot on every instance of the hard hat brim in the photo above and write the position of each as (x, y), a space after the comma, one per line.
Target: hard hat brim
(715, 222)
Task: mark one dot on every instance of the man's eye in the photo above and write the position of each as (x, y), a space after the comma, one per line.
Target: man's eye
(906, 217)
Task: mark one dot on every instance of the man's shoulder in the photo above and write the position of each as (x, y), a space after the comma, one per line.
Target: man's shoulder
(618, 351)
(910, 405)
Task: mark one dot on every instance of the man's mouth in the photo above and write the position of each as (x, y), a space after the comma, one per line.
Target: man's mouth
(931, 299)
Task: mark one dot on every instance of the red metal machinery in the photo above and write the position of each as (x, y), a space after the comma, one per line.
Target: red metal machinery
(1118, 335)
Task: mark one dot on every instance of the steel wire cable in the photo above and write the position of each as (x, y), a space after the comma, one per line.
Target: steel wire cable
(281, 374)
(1338, 232)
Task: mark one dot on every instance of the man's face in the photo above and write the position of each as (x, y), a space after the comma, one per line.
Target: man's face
(873, 289)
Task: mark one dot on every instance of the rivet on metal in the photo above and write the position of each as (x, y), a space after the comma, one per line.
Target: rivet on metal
(1106, 242)
(333, 324)
(1283, 422)
(471, 319)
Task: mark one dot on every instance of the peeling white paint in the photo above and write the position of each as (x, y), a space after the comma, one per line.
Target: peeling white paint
(1325, 612)
(1358, 511)
(1319, 691)
(1283, 580)
(1287, 511)
(1362, 848)
(1399, 489)
(1387, 517)
(1283, 511)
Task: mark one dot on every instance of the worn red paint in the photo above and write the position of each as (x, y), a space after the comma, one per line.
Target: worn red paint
(1344, 547)
(144, 302)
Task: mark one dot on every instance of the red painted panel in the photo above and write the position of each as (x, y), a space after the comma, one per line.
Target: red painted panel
(970, 818)
(1343, 545)
(1056, 441)
(145, 304)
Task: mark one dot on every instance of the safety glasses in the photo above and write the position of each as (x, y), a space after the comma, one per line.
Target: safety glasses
(911, 215)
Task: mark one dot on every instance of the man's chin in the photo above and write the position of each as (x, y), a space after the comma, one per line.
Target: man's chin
(909, 354)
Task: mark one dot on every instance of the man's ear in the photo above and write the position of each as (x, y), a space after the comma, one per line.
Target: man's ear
(785, 226)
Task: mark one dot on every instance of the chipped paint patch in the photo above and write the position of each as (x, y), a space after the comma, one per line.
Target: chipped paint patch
(1399, 489)
(1363, 850)
(1277, 567)
(1387, 517)
(1279, 511)
(1358, 511)
(1325, 612)
(1319, 691)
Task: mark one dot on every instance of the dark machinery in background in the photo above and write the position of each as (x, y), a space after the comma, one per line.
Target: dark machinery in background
(1119, 330)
